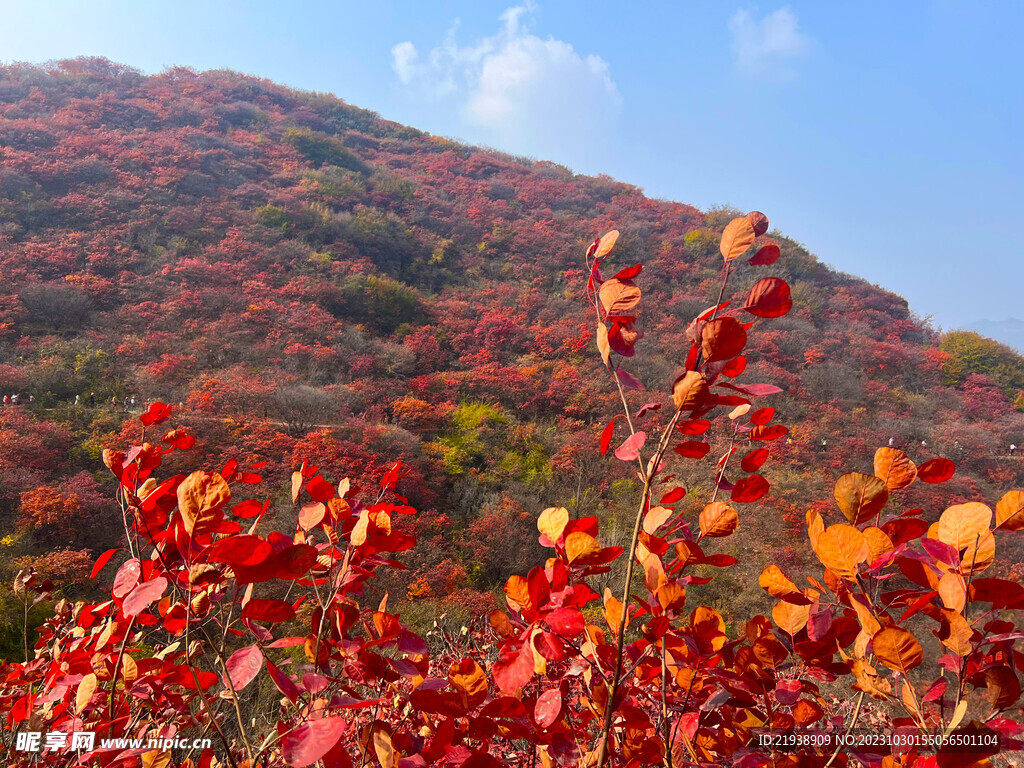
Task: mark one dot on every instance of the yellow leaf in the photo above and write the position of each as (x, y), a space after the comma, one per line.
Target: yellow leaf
(790, 618)
(739, 410)
(552, 522)
(737, 238)
(86, 688)
(602, 342)
(385, 752)
(958, 716)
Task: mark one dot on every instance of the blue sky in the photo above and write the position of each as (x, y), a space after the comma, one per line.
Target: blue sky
(884, 136)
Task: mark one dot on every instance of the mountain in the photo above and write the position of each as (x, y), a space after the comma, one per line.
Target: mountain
(1009, 331)
(308, 279)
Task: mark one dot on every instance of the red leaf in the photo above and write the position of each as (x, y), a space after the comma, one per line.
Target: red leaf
(692, 449)
(769, 297)
(722, 338)
(936, 471)
(308, 743)
(735, 367)
(251, 508)
(629, 272)
(762, 415)
(673, 496)
(767, 254)
(749, 489)
(630, 449)
(567, 622)
(238, 550)
(787, 692)
(695, 427)
(629, 380)
(157, 413)
(773, 432)
(243, 666)
(606, 436)
(391, 477)
(548, 708)
(513, 668)
(22, 709)
(101, 561)
(179, 439)
(144, 595)
(753, 460)
(268, 610)
(320, 489)
(283, 682)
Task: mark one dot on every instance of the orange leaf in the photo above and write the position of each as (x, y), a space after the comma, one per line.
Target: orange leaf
(199, 496)
(619, 296)
(718, 519)
(962, 524)
(517, 590)
(1010, 511)
(612, 611)
(737, 237)
(790, 618)
(841, 548)
(690, 391)
(469, 679)
(778, 585)
(894, 468)
(655, 518)
(897, 649)
(606, 243)
(860, 496)
(580, 544)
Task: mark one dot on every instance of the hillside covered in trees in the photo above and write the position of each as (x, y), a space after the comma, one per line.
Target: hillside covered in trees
(306, 278)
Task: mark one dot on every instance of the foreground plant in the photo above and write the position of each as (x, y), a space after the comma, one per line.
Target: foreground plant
(271, 645)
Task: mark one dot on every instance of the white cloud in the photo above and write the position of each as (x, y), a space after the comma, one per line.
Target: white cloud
(524, 93)
(767, 47)
(404, 56)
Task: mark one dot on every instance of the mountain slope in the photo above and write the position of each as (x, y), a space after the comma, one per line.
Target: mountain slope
(307, 278)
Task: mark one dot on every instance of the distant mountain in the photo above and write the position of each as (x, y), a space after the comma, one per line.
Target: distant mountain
(1009, 332)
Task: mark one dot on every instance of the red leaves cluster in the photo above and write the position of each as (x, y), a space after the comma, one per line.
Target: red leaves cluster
(208, 601)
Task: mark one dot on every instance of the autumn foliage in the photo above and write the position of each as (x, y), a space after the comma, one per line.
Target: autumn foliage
(287, 649)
